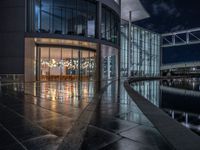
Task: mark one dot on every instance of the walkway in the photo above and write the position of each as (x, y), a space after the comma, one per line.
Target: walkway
(42, 118)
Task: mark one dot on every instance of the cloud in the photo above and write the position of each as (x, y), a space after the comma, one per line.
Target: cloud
(164, 7)
(177, 28)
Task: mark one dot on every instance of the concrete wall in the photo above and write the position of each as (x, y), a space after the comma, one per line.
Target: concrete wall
(30, 60)
(12, 27)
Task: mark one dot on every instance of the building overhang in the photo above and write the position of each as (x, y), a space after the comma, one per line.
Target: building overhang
(135, 6)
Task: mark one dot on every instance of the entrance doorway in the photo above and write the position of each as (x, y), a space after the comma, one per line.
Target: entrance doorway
(55, 63)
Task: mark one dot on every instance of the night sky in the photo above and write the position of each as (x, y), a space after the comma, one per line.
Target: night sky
(181, 54)
(173, 15)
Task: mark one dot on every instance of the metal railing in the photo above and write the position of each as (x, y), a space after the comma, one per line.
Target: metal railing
(186, 37)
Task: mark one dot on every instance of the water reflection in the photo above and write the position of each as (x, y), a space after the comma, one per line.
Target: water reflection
(179, 98)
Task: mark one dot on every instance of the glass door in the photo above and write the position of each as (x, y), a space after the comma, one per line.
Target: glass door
(61, 64)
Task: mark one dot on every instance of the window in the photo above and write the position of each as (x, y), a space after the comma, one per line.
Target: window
(109, 25)
(71, 17)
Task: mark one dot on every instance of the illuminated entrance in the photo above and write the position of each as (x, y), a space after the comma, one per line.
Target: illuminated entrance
(57, 63)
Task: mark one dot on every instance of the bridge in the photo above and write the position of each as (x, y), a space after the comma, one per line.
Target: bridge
(180, 65)
(186, 37)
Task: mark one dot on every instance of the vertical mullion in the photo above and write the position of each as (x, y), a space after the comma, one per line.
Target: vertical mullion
(49, 61)
(61, 76)
(40, 15)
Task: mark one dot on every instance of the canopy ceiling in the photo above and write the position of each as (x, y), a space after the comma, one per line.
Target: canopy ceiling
(138, 11)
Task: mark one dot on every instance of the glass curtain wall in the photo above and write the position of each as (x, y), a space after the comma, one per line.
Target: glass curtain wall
(109, 62)
(124, 51)
(66, 64)
(110, 25)
(71, 17)
(144, 54)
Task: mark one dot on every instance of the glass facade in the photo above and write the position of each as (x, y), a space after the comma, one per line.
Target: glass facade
(110, 25)
(109, 62)
(66, 64)
(143, 59)
(71, 17)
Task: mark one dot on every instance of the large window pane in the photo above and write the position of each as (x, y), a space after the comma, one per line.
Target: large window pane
(57, 20)
(109, 25)
(66, 63)
(72, 17)
(91, 21)
(46, 15)
(84, 64)
(44, 64)
(37, 15)
(55, 63)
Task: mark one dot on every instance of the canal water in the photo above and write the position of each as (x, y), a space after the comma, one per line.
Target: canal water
(179, 98)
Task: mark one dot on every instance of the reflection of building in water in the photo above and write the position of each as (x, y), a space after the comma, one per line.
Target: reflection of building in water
(189, 120)
(180, 99)
(191, 84)
(150, 90)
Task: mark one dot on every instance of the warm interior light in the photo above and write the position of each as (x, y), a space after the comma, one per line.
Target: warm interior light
(69, 63)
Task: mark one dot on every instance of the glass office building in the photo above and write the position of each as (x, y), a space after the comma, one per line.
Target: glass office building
(72, 39)
(143, 58)
(73, 17)
(60, 40)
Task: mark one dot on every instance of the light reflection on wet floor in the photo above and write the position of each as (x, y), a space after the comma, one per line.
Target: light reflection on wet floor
(41, 118)
(119, 124)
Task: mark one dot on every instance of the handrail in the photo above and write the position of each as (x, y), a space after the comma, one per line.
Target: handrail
(177, 136)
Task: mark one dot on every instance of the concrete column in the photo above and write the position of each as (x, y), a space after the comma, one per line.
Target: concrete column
(29, 62)
(98, 68)
(129, 43)
(161, 54)
(38, 56)
(98, 52)
(119, 51)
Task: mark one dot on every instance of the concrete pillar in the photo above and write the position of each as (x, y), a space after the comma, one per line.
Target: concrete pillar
(129, 42)
(98, 52)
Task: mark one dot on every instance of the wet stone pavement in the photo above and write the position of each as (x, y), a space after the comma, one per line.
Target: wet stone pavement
(39, 115)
